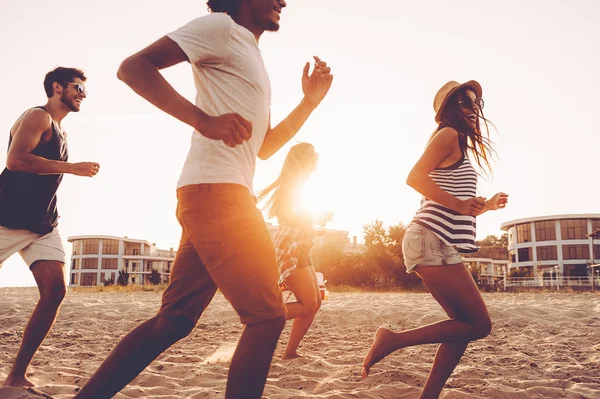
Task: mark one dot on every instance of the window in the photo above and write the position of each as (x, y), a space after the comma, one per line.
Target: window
(576, 251)
(74, 264)
(512, 236)
(110, 263)
(102, 277)
(110, 247)
(74, 278)
(523, 233)
(136, 251)
(513, 257)
(525, 255)
(547, 253)
(113, 277)
(573, 229)
(149, 266)
(76, 247)
(580, 270)
(545, 231)
(597, 253)
(595, 224)
(89, 263)
(91, 246)
(89, 279)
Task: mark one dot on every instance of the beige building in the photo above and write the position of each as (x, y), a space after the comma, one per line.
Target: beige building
(97, 258)
(328, 236)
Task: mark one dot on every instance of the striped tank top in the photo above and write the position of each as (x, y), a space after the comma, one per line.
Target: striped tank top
(454, 229)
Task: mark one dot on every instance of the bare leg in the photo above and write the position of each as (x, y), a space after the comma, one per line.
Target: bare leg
(303, 284)
(447, 356)
(252, 359)
(134, 353)
(50, 279)
(454, 288)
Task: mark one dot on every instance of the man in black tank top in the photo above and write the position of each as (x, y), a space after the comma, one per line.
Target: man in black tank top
(36, 161)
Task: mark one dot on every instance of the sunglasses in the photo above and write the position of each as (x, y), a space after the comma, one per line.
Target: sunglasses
(80, 88)
(478, 102)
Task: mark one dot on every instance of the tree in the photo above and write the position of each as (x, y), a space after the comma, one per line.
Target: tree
(493, 241)
(108, 282)
(375, 234)
(384, 258)
(123, 278)
(381, 265)
(154, 277)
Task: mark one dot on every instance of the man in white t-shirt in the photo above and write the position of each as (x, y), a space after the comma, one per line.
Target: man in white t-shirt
(225, 244)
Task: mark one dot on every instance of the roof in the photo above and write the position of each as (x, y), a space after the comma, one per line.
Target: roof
(504, 226)
(76, 238)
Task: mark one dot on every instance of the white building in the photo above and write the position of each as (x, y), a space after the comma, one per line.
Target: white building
(490, 271)
(98, 258)
(549, 244)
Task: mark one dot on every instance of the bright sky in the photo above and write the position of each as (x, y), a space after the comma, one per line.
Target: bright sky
(537, 61)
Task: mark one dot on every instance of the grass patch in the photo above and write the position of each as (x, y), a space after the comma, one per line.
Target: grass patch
(120, 288)
(354, 289)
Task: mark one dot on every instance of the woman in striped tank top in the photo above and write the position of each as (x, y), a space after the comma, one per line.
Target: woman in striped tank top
(443, 228)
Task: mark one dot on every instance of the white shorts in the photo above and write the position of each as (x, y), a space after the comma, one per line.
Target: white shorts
(31, 246)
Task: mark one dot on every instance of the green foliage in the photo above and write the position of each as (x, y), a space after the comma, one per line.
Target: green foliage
(154, 277)
(494, 241)
(123, 278)
(108, 283)
(380, 266)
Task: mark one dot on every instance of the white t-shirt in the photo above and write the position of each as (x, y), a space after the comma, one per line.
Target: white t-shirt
(230, 76)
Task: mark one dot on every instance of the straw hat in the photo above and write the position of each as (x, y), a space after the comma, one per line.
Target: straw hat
(444, 94)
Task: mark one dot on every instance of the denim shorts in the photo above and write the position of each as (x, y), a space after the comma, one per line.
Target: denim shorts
(421, 247)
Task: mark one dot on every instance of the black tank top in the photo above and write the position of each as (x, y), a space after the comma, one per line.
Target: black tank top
(28, 200)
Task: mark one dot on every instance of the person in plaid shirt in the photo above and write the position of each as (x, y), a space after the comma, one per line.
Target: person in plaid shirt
(294, 240)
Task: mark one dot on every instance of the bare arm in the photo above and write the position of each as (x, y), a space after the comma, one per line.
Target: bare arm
(27, 137)
(315, 87)
(141, 72)
(438, 149)
(498, 201)
(285, 130)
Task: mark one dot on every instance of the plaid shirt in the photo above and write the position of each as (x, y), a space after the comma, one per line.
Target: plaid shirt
(292, 247)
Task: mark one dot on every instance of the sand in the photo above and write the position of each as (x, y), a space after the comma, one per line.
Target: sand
(543, 345)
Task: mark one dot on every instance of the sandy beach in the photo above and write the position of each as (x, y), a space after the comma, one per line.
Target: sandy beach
(543, 345)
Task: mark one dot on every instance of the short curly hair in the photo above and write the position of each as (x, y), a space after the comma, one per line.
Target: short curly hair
(227, 6)
(63, 76)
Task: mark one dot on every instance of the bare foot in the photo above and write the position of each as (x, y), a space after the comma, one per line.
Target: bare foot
(17, 382)
(381, 348)
(288, 356)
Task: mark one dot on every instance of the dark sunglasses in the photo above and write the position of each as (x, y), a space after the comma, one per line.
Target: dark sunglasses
(478, 102)
(80, 88)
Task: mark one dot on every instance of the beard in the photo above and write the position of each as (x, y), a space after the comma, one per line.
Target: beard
(70, 103)
(271, 26)
(265, 20)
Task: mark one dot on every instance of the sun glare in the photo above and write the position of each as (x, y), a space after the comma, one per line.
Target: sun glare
(317, 198)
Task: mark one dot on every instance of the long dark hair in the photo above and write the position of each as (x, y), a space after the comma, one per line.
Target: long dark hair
(470, 139)
(282, 193)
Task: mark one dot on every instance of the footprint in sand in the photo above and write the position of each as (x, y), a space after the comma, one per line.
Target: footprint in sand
(22, 393)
